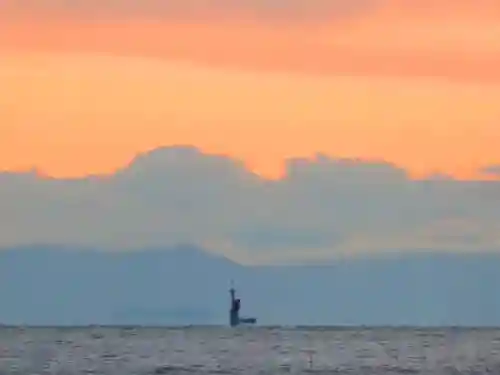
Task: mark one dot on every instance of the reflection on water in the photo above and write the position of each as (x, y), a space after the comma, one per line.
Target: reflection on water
(216, 350)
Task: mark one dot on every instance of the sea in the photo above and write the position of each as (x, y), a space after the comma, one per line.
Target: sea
(248, 350)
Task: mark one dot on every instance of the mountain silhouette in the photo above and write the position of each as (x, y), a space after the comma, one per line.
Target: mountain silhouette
(56, 285)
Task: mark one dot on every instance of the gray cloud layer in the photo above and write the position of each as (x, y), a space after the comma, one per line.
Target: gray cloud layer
(323, 207)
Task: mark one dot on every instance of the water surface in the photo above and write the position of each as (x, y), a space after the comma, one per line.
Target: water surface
(219, 350)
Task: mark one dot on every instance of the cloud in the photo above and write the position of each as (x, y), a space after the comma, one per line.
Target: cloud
(491, 170)
(172, 9)
(262, 9)
(323, 207)
(452, 40)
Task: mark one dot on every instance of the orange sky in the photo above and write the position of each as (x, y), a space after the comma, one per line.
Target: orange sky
(413, 82)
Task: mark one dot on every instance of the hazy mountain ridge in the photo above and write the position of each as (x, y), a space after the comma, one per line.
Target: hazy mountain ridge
(183, 285)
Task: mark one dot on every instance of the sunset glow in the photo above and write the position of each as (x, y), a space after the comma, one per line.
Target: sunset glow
(415, 85)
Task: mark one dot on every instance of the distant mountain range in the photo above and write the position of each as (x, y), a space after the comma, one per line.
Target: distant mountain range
(44, 285)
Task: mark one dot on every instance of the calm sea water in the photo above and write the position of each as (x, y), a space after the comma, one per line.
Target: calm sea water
(216, 350)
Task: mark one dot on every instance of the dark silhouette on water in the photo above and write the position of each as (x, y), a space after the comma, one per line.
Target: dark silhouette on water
(234, 312)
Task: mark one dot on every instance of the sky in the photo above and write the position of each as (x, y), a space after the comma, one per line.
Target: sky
(88, 85)
(258, 80)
